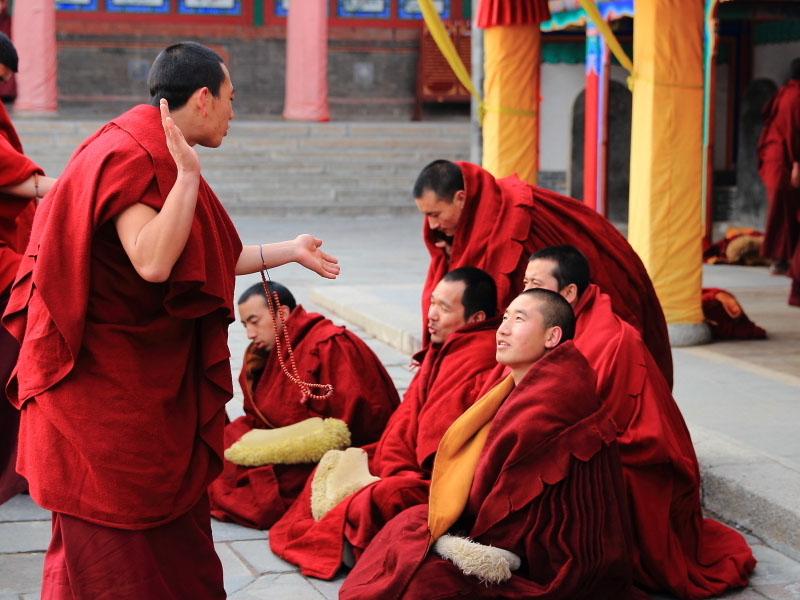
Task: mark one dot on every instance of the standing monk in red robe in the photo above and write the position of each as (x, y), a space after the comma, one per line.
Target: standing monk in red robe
(473, 219)
(363, 397)
(453, 368)
(22, 183)
(121, 305)
(675, 549)
(779, 167)
(526, 499)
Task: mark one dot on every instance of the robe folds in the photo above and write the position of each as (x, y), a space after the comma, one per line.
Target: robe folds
(676, 549)
(364, 397)
(505, 220)
(778, 148)
(547, 487)
(174, 560)
(16, 214)
(446, 384)
(121, 383)
(16, 217)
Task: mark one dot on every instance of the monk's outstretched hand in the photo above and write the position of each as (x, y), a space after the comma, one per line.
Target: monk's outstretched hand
(311, 257)
(185, 157)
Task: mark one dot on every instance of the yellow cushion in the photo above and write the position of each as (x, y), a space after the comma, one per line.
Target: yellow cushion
(303, 442)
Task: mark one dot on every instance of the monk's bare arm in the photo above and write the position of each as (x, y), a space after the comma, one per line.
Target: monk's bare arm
(27, 188)
(154, 240)
(304, 250)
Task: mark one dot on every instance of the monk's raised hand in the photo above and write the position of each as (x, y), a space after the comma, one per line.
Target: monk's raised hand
(185, 157)
(311, 257)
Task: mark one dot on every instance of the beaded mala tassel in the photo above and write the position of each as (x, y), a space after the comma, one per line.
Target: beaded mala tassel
(273, 302)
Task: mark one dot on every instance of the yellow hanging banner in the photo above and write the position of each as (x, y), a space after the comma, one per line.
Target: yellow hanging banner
(591, 10)
(446, 47)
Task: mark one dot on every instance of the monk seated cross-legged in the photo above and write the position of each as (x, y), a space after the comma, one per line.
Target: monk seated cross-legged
(526, 498)
(325, 520)
(285, 432)
(675, 548)
(473, 219)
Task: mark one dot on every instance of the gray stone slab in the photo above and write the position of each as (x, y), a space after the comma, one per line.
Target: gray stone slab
(258, 555)
(760, 408)
(401, 375)
(24, 536)
(21, 573)
(774, 568)
(22, 508)
(231, 532)
(329, 589)
(235, 572)
(287, 585)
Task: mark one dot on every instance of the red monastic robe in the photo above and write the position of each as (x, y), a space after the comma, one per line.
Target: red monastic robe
(364, 397)
(122, 383)
(778, 148)
(567, 523)
(675, 548)
(16, 216)
(445, 385)
(794, 273)
(505, 220)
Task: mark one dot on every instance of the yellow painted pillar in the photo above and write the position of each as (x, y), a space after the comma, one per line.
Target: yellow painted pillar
(511, 93)
(665, 216)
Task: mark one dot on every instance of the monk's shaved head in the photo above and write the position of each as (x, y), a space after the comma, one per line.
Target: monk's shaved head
(257, 289)
(571, 266)
(794, 69)
(555, 311)
(480, 291)
(442, 177)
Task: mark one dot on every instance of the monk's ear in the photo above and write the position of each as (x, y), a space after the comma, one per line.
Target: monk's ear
(476, 317)
(459, 198)
(200, 99)
(552, 337)
(570, 293)
(284, 312)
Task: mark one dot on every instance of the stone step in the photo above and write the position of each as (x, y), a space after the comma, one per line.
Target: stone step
(282, 168)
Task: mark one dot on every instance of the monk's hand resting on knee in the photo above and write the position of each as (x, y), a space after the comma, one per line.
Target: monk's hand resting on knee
(311, 257)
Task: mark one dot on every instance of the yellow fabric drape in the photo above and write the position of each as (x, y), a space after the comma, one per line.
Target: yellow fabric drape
(457, 458)
(665, 221)
(511, 79)
(591, 10)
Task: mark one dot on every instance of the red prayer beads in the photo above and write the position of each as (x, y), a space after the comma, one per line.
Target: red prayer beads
(274, 304)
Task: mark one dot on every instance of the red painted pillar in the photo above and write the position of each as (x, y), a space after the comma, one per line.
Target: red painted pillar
(595, 135)
(34, 23)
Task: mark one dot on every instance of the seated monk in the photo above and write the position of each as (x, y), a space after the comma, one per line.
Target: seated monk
(526, 498)
(362, 401)
(473, 219)
(22, 184)
(676, 550)
(453, 368)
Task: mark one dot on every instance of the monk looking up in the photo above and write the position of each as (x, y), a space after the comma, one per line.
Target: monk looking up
(473, 219)
(526, 498)
(22, 183)
(462, 321)
(676, 550)
(363, 398)
(122, 304)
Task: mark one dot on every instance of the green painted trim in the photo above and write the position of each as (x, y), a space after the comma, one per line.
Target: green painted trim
(258, 13)
(776, 32)
(466, 9)
(570, 53)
